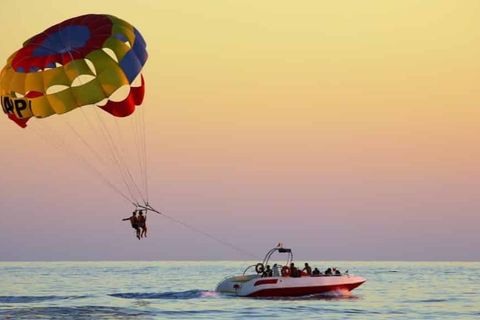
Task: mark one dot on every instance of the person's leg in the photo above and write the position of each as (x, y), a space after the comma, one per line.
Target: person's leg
(138, 233)
(136, 230)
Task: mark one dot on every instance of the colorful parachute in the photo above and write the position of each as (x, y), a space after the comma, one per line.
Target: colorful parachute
(85, 60)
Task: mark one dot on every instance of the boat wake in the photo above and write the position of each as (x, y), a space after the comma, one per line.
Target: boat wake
(336, 294)
(174, 295)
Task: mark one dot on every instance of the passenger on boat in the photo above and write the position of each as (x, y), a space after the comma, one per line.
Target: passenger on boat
(294, 272)
(267, 272)
(275, 270)
(315, 272)
(307, 269)
(337, 272)
(328, 272)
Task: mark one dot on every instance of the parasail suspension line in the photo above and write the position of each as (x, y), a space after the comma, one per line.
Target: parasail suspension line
(147, 207)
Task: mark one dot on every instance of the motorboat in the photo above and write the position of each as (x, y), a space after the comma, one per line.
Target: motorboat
(259, 280)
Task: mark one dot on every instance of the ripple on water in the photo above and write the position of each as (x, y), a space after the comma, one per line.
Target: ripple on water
(179, 295)
(82, 312)
(33, 299)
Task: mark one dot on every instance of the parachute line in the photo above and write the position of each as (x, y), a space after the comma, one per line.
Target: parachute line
(121, 152)
(62, 146)
(204, 233)
(115, 155)
(144, 140)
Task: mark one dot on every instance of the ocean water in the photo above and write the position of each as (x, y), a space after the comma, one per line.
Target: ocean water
(185, 290)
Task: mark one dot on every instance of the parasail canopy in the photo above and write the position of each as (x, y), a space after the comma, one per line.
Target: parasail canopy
(94, 59)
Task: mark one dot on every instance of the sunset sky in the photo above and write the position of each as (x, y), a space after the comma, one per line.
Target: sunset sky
(345, 129)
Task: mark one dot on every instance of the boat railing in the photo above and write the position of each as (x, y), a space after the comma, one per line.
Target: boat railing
(246, 269)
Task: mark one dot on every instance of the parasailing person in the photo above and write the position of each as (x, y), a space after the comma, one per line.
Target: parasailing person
(142, 223)
(134, 222)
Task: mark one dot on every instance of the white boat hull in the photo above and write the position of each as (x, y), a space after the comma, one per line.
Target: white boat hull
(256, 286)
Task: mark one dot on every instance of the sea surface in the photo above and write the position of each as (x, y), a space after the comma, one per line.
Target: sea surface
(185, 290)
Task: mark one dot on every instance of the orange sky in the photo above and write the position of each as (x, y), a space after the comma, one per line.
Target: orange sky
(355, 122)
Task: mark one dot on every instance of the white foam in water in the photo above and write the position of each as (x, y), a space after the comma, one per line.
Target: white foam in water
(209, 294)
(341, 293)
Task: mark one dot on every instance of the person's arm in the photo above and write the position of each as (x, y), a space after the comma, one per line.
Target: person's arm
(125, 219)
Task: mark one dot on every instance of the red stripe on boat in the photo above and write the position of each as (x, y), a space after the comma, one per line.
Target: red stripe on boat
(302, 291)
(265, 281)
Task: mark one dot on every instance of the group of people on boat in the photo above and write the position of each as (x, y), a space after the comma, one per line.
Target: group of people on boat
(139, 223)
(294, 272)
